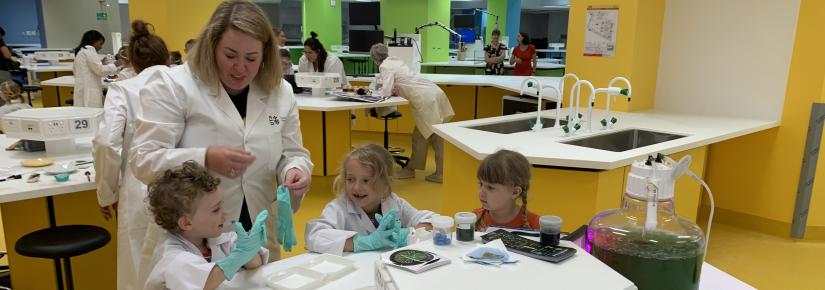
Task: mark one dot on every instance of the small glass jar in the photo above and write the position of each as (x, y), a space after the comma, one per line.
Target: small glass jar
(442, 230)
(465, 226)
(550, 227)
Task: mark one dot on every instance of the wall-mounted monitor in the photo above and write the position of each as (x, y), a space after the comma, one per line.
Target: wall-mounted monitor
(464, 21)
(367, 13)
(362, 40)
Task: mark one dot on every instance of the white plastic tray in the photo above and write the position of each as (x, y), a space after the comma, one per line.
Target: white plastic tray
(333, 267)
(295, 279)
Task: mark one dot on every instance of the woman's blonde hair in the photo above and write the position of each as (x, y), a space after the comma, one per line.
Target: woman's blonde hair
(9, 90)
(373, 157)
(246, 17)
(509, 168)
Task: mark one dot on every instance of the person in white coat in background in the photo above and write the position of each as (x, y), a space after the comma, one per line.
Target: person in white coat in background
(118, 191)
(89, 70)
(366, 215)
(228, 109)
(430, 106)
(316, 59)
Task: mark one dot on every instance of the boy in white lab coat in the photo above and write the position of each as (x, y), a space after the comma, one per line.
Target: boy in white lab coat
(187, 202)
(366, 215)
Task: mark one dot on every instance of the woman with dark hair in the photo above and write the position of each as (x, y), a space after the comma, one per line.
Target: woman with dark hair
(524, 56)
(316, 59)
(118, 191)
(88, 69)
(6, 62)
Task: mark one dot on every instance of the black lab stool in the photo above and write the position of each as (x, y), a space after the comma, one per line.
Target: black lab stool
(62, 243)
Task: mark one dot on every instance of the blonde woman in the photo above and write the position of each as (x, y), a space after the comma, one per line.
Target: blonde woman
(229, 110)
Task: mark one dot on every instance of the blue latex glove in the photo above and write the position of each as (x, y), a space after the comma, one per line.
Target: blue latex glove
(246, 247)
(385, 236)
(286, 230)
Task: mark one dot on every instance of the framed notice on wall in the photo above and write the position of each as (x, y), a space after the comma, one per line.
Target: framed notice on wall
(600, 32)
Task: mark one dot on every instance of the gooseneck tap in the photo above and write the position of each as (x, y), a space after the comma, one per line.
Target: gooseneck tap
(590, 100)
(555, 92)
(611, 91)
(561, 95)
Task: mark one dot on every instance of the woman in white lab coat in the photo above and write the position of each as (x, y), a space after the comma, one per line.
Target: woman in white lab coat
(430, 107)
(88, 70)
(316, 59)
(117, 188)
(228, 109)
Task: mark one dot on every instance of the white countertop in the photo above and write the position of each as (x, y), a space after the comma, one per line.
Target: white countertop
(543, 147)
(67, 81)
(571, 274)
(62, 67)
(510, 83)
(18, 189)
(479, 64)
(576, 273)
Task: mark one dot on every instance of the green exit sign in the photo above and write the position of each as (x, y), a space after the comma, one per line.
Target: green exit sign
(102, 16)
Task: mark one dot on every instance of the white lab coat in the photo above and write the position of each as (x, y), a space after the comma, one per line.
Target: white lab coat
(341, 219)
(115, 181)
(430, 105)
(333, 64)
(182, 116)
(88, 71)
(126, 73)
(181, 266)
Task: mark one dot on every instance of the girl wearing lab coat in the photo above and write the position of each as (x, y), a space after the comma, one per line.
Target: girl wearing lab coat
(364, 188)
(316, 59)
(229, 109)
(88, 70)
(430, 107)
(117, 188)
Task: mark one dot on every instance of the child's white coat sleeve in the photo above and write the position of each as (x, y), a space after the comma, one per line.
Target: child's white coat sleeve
(325, 234)
(409, 216)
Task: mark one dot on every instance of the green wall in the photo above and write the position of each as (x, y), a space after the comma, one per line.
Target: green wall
(319, 16)
(405, 15)
(497, 7)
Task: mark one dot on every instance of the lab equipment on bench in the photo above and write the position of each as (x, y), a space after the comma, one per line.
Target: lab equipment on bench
(312, 275)
(645, 240)
(550, 231)
(58, 126)
(414, 260)
(442, 230)
(528, 247)
(319, 82)
(465, 226)
(53, 57)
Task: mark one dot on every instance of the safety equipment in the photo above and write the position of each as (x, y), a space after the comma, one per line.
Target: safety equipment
(247, 246)
(286, 230)
(386, 235)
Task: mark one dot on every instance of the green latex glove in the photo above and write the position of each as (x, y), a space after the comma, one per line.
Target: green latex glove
(246, 248)
(402, 237)
(286, 230)
(385, 236)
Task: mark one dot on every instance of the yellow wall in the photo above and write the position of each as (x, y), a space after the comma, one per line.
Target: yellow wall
(176, 21)
(758, 174)
(637, 49)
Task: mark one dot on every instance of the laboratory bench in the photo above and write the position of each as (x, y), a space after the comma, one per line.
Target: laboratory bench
(24, 209)
(545, 67)
(578, 182)
(37, 74)
(528, 273)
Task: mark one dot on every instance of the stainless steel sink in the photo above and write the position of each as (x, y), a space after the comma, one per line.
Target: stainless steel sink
(624, 140)
(516, 126)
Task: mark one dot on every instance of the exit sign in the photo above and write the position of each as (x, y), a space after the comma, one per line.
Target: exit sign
(102, 16)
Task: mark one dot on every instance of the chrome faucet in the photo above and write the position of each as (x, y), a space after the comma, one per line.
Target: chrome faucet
(532, 83)
(561, 95)
(538, 126)
(612, 91)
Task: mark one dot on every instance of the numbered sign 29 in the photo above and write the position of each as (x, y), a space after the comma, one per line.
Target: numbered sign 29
(81, 125)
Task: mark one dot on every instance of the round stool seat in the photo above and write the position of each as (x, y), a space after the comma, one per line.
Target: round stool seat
(31, 88)
(390, 116)
(62, 241)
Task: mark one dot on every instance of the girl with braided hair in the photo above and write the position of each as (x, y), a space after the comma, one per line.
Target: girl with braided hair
(504, 178)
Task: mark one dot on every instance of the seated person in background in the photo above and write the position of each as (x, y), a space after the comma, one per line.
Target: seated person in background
(366, 215)
(286, 62)
(187, 202)
(122, 62)
(316, 59)
(503, 178)
(12, 98)
(177, 58)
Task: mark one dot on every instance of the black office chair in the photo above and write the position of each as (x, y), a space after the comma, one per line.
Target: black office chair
(62, 243)
(395, 151)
